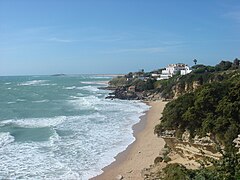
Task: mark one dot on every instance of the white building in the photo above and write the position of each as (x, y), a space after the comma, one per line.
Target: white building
(186, 70)
(173, 69)
(155, 75)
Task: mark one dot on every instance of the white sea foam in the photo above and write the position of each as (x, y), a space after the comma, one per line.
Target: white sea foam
(5, 138)
(47, 84)
(11, 102)
(70, 88)
(83, 102)
(95, 82)
(89, 88)
(89, 143)
(35, 122)
(21, 100)
(7, 83)
(41, 101)
(78, 146)
(101, 77)
(33, 82)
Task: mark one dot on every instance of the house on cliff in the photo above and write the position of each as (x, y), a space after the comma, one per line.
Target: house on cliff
(173, 69)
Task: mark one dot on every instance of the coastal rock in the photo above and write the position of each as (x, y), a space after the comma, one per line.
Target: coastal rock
(168, 133)
(203, 140)
(196, 150)
(111, 88)
(122, 93)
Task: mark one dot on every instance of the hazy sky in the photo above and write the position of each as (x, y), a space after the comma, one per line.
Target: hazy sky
(114, 36)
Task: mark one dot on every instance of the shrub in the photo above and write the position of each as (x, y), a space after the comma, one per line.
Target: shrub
(158, 160)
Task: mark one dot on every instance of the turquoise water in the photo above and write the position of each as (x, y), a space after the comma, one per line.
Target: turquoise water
(61, 127)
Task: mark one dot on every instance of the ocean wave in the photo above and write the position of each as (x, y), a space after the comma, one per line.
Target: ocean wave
(100, 77)
(70, 87)
(41, 101)
(35, 122)
(11, 102)
(47, 84)
(54, 139)
(95, 102)
(95, 82)
(33, 82)
(85, 102)
(89, 88)
(29, 160)
(21, 100)
(79, 147)
(5, 138)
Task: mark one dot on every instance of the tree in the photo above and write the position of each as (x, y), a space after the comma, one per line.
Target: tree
(236, 64)
(223, 66)
(195, 61)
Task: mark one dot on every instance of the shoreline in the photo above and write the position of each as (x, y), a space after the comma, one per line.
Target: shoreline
(141, 153)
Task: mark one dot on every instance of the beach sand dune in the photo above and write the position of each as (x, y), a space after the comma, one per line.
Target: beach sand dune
(142, 152)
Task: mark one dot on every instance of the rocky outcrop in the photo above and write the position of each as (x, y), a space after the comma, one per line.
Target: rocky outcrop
(196, 148)
(125, 94)
(122, 93)
(192, 150)
(183, 88)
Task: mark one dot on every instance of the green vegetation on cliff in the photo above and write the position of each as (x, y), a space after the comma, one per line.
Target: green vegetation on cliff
(213, 108)
(227, 168)
(200, 75)
(178, 84)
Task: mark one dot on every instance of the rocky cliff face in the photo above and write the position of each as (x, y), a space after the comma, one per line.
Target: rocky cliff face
(192, 149)
(185, 151)
(183, 88)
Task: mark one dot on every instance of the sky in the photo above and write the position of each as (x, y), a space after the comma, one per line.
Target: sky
(40, 37)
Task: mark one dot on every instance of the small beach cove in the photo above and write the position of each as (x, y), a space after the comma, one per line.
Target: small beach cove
(142, 152)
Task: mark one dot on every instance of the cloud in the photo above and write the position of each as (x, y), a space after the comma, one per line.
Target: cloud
(60, 40)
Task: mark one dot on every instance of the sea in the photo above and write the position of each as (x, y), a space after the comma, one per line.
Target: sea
(62, 127)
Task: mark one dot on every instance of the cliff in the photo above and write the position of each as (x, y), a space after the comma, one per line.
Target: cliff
(201, 127)
(196, 148)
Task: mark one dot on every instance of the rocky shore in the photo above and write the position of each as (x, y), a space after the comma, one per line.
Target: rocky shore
(125, 94)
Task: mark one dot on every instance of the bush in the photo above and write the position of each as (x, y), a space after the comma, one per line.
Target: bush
(166, 159)
(118, 81)
(158, 160)
(213, 108)
(176, 172)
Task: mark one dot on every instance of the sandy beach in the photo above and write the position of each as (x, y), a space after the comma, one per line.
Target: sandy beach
(142, 152)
